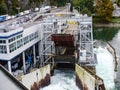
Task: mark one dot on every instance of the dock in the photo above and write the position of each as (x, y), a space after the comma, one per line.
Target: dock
(59, 40)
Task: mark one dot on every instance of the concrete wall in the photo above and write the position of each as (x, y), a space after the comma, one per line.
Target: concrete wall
(113, 52)
(38, 78)
(84, 80)
(115, 60)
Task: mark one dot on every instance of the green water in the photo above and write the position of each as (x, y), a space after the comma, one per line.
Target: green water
(105, 33)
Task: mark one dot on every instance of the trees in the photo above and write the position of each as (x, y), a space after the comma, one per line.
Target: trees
(84, 6)
(3, 8)
(52, 3)
(14, 5)
(59, 2)
(86, 11)
(118, 2)
(103, 10)
(34, 3)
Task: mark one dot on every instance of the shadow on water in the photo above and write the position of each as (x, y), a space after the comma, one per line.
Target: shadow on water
(104, 33)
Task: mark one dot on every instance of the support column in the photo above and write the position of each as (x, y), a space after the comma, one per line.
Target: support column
(9, 67)
(96, 87)
(34, 55)
(39, 45)
(24, 66)
(39, 48)
(40, 52)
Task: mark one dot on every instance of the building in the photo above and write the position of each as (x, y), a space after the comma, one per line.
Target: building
(26, 40)
(18, 44)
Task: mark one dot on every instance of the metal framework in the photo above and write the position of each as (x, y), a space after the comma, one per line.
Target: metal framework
(86, 54)
(83, 38)
(46, 45)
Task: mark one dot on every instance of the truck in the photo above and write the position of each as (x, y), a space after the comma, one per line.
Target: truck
(2, 18)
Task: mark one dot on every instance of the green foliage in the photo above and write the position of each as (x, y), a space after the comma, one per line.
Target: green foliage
(59, 3)
(85, 10)
(76, 3)
(15, 4)
(52, 2)
(118, 2)
(103, 10)
(115, 20)
(71, 8)
(3, 8)
(85, 6)
(10, 6)
(34, 3)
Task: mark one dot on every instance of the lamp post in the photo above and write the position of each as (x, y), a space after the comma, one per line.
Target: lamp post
(79, 9)
(67, 6)
(18, 8)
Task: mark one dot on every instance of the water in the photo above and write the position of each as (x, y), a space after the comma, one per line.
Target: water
(115, 42)
(65, 80)
(105, 67)
(62, 80)
(105, 33)
(111, 35)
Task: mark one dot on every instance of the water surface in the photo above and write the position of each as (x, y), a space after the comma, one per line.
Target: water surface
(62, 80)
(111, 35)
(105, 67)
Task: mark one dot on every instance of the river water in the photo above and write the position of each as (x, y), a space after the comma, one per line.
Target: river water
(62, 80)
(65, 80)
(115, 42)
(111, 35)
(105, 67)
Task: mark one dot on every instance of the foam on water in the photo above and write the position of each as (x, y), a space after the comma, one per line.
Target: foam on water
(105, 67)
(65, 80)
(62, 80)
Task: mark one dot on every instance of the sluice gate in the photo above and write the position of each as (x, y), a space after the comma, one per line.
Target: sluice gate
(63, 40)
(64, 50)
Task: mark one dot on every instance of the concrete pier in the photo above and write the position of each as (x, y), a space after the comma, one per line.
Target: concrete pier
(37, 78)
(88, 80)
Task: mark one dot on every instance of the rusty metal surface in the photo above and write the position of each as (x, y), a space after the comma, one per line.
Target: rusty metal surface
(42, 83)
(63, 40)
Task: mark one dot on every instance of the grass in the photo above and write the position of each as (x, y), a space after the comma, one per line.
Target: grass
(115, 20)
